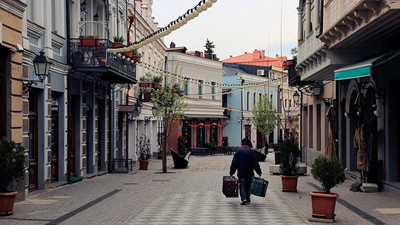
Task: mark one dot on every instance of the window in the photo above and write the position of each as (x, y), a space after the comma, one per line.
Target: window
(53, 15)
(248, 101)
(200, 88)
(319, 128)
(254, 98)
(213, 90)
(310, 126)
(30, 11)
(187, 86)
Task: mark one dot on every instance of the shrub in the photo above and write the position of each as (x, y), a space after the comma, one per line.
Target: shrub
(329, 172)
(289, 155)
(119, 39)
(144, 148)
(12, 163)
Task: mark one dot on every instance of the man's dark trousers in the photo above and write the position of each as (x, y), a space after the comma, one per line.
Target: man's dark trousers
(244, 183)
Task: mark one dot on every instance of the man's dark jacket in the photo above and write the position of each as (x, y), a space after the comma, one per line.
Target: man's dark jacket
(245, 161)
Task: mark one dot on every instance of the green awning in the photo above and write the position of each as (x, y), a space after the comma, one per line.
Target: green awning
(361, 69)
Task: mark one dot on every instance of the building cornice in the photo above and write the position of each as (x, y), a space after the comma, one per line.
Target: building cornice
(15, 7)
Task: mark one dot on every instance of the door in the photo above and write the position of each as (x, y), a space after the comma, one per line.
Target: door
(54, 140)
(214, 132)
(247, 131)
(33, 141)
(100, 130)
(187, 133)
(74, 120)
(201, 134)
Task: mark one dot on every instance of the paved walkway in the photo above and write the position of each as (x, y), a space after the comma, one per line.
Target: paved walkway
(191, 196)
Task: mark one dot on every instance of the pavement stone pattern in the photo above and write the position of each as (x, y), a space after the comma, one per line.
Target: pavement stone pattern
(191, 196)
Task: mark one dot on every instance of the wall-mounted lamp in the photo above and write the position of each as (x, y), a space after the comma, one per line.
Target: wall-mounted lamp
(132, 111)
(317, 91)
(42, 67)
(83, 6)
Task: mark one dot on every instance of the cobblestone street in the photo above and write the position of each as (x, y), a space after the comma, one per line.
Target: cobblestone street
(182, 196)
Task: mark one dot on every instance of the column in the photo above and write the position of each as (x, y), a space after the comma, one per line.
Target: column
(299, 24)
(308, 17)
(316, 12)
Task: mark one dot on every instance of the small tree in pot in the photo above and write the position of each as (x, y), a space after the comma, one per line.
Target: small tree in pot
(330, 173)
(12, 168)
(289, 155)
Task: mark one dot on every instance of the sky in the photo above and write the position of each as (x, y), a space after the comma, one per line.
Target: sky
(235, 26)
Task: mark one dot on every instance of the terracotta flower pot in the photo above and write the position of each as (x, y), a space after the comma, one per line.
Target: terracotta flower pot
(289, 183)
(128, 54)
(90, 41)
(144, 164)
(323, 204)
(144, 84)
(117, 44)
(7, 200)
(157, 86)
(136, 58)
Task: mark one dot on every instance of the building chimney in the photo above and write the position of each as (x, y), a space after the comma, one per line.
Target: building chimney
(277, 56)
(172, 45)
(256, 54)
(262, 54)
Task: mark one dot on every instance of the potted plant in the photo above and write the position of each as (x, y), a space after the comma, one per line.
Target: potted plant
(289, 156)
(330, 173)
(144, 152)
(136, 55)
(118, 40)
(89, 40)
(181, 145)
(12, 168)
(157, 82)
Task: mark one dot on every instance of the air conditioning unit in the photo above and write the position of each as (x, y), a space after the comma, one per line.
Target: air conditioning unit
(260, 72)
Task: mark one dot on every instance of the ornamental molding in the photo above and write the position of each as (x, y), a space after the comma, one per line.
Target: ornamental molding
(352, 20)
(15, 7)
(35, 30)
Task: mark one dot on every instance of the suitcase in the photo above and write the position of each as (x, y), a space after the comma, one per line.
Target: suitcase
(258, 186)
(230, 187)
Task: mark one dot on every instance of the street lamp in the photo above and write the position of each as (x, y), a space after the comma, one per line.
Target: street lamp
(296, 98)
(41, 66)
(83, 6)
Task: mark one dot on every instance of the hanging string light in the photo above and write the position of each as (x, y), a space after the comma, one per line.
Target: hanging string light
(190, 14)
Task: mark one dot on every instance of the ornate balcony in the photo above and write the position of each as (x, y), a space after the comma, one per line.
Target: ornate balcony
(93, 57)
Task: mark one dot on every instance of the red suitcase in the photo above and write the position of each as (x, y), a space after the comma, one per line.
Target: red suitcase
(230, 187)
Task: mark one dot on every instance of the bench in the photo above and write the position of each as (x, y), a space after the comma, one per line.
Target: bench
(180, 161)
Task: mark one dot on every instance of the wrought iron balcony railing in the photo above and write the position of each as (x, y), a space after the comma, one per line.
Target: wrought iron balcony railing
(93, 56)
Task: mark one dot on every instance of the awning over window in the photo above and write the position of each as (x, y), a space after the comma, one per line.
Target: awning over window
(361, 69)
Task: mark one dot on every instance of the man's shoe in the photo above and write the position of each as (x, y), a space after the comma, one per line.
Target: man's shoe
(247, 201)
(243, 202)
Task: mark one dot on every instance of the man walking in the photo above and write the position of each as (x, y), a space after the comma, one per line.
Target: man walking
(245, 162)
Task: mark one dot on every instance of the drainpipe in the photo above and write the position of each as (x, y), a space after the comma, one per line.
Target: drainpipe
(69, 97)
(127, 127)
(241, 110)
(117, 18)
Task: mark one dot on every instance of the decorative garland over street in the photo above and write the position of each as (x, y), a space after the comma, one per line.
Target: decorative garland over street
(190, 14)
